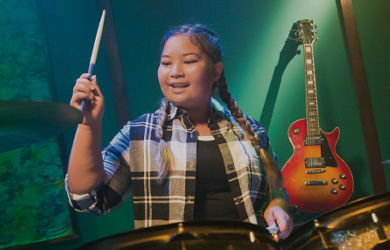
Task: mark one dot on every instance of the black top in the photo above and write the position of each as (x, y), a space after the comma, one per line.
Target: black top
(213, 198)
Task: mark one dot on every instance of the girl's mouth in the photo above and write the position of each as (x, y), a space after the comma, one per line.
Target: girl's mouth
(179, 84)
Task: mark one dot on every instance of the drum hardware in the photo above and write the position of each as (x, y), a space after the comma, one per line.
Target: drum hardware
(25, 122)
(386, 162)
(360, 224)
(380, 229)
(252, 237)
(318, 230)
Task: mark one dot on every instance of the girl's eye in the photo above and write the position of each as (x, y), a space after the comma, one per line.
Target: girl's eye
(165, 63)
(189, 61)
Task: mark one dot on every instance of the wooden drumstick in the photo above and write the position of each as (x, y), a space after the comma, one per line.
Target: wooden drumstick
(94, 53)
(273, 230)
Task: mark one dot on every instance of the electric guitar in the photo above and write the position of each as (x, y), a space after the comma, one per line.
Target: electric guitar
(315, 177)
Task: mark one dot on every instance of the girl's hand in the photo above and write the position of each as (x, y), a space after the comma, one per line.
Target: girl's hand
(87, 89)
(276, 214)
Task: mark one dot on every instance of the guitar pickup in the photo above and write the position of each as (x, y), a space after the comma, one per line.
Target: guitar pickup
(316, 183)
(313, 140)
(314, 162)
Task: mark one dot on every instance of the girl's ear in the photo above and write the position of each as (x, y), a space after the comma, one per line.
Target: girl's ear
(218, 68)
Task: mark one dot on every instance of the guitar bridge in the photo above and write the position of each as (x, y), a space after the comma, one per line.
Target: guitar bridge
(316, 183)
(314, 162)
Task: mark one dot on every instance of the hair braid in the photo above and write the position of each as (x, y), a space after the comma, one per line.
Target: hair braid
(164, 152)
(161, 119)
(273, 172)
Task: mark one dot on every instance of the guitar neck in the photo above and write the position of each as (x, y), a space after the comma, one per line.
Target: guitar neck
(312, 121)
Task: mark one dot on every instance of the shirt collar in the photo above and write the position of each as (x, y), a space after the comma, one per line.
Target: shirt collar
(218, 111)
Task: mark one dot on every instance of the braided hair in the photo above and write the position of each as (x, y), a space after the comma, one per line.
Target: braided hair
(208, 42)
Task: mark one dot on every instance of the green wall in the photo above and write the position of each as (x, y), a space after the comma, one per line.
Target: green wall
(34, 207)
(253, 33)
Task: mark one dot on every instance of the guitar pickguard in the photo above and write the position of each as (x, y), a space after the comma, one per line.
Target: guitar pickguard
(330, 160)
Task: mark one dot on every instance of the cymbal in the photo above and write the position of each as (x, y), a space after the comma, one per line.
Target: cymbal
(25, 122)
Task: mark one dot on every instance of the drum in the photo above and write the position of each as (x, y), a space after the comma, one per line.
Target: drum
(215, 235)
(361, 224)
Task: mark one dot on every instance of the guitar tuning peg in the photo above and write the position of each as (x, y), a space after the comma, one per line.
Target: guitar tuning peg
(315, 26)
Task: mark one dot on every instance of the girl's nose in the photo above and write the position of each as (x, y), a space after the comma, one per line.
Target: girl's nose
(176, 71)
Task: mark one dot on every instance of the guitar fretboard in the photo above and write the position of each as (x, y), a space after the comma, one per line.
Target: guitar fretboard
(312, 121)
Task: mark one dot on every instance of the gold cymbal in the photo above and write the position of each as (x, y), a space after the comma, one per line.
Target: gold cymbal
(25, 122)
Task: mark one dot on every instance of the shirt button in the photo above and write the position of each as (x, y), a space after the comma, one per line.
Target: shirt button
(230, 166)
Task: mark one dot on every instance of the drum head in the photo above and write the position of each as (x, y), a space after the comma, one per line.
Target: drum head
(202, 235)
(360, 224)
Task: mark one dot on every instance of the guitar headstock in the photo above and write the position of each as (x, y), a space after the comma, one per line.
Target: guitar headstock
(306, 34)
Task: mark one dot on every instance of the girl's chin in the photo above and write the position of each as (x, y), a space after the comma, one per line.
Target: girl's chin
(177, 103)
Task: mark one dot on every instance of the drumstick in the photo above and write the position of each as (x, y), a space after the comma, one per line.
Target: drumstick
(273, 230)
(94, 53)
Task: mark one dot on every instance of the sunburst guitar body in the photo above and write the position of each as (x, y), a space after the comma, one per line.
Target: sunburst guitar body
(315, 177)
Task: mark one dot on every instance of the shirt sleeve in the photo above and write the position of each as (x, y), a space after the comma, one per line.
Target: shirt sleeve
(82, 203)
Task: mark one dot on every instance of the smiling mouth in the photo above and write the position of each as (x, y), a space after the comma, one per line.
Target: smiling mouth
(179, 85)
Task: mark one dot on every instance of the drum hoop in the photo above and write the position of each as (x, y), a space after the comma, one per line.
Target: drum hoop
(332, 221)
(338, 215)
(162, 234)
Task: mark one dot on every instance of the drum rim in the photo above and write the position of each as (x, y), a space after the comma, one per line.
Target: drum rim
(302, 236)
(198, 226)
(359, 204)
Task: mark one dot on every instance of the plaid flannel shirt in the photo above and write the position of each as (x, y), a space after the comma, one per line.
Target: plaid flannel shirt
(132, 160)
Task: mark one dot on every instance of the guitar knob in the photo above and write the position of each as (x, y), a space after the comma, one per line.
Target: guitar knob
(334, 181)
(333, 191)
(342, 176)
(342, 187)
(296, 131)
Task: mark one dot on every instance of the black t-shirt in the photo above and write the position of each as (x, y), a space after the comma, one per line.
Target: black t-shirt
(213, 198)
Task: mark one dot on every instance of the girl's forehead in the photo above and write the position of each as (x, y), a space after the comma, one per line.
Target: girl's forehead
(181, 46)
(180, 42)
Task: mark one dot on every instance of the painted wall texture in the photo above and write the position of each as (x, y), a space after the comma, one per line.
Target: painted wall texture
(34, 205)
(261, 71)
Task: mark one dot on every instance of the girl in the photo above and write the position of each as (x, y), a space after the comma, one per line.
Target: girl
(192, 159)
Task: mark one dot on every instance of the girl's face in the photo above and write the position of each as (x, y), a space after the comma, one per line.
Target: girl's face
(186, 75)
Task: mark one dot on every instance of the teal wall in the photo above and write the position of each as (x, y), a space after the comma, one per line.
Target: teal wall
(253, 33)
(34, 207)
